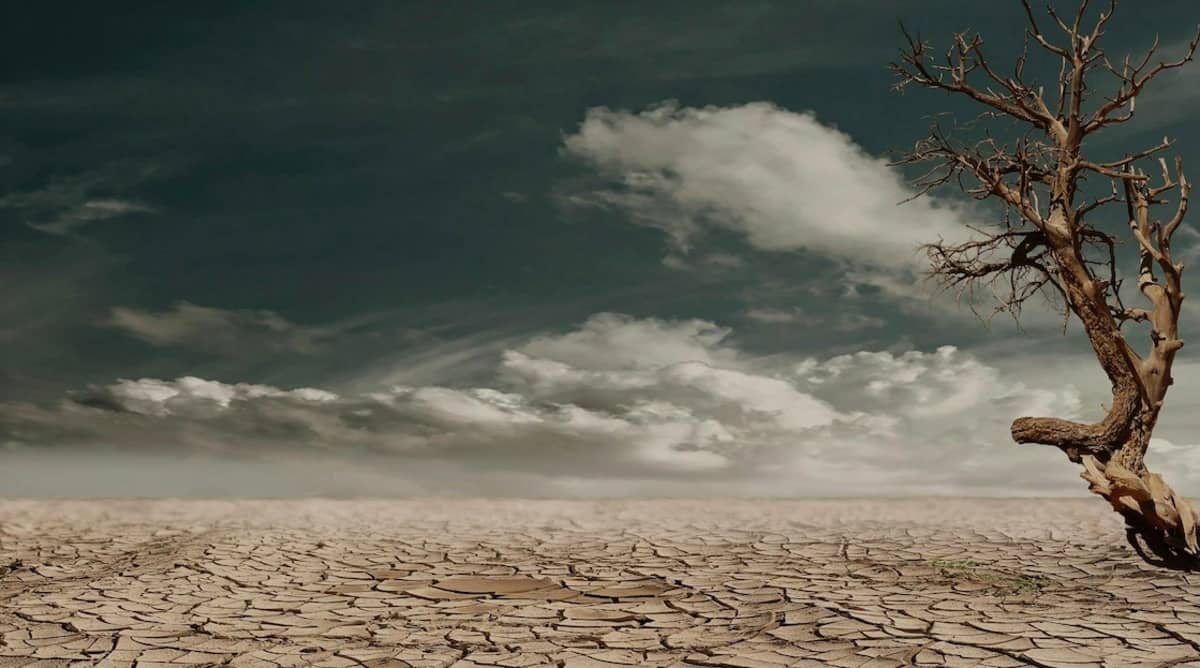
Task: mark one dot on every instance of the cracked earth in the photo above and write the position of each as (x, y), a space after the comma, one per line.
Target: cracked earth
(585, 584)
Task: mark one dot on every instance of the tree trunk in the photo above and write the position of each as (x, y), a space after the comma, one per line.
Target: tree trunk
(1113, 451)
(1165, 521)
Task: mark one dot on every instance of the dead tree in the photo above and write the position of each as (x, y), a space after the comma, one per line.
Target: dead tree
(1049, 243)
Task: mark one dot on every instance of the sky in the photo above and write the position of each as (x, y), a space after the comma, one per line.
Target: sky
(539, 249)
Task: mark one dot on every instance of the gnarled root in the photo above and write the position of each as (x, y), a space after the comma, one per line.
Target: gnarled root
(1164, 521)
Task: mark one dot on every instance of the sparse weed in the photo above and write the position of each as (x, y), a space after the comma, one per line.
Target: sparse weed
(1002, 582)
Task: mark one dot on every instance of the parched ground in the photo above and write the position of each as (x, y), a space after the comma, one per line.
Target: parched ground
(754, 583)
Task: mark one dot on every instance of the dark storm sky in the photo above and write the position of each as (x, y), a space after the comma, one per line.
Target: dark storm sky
(350, 196)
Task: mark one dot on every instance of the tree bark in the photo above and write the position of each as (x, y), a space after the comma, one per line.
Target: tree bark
(1087, 302)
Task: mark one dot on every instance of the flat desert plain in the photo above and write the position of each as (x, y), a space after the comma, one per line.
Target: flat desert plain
(479, 582)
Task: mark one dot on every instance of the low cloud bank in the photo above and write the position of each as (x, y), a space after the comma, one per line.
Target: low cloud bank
(619, 404)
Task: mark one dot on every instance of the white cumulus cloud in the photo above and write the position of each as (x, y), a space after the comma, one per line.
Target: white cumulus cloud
(783, 179)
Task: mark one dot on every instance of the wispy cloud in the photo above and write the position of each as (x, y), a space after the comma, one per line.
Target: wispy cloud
(89, 212)
(67, 203)
(708, 262)
(842, 321)
(227, 331)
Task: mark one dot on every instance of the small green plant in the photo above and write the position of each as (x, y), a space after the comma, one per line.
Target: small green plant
(1004, 583)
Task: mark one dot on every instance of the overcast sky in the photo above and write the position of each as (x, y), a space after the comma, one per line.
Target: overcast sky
(394, 248)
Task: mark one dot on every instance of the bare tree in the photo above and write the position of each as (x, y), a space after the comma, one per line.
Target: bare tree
(1049, 244)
